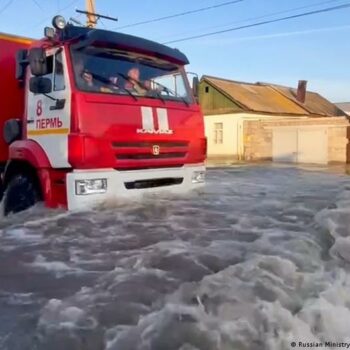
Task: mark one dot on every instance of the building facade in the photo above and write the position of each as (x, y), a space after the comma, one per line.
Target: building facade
(253, 122)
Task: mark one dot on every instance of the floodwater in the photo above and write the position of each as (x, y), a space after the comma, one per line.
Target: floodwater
(258, 260)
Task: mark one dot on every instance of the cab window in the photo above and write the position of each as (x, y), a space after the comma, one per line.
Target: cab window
(58, 82)
(56, 72)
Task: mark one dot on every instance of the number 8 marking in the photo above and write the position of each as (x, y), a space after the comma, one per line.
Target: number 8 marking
(39, 108)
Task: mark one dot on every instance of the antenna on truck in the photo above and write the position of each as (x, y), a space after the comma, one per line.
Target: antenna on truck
(92, 22)
(76, 21)
(92, 16)
(59, 23)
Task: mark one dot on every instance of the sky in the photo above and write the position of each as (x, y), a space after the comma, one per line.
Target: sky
(313, 48)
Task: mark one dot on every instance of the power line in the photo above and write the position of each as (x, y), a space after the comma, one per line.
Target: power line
(180, 14)
(285, 34)
(6, 6)
(261, 17)
(38, 5)
(328, 9)
(71, 3)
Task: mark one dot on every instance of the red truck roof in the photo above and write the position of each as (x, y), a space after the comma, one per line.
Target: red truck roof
(12, 94)
(87, 36)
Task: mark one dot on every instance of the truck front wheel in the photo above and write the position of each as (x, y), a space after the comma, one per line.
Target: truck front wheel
(21, 193)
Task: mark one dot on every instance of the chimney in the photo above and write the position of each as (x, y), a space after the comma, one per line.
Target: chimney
(301, 92)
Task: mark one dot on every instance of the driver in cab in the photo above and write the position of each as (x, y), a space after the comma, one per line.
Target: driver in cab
(131, 82)
(91, 82)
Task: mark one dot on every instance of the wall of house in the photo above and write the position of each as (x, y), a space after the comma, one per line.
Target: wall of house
(338, 144)
(227, 150)
(232, 147)
(213, 101)
(258, 136)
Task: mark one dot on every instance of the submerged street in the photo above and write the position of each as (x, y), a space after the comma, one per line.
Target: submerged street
(259, 260)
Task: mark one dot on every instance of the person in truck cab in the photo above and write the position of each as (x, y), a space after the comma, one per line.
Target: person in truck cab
(84, 77)
(131, 82)
(143, 87)
(134, 83)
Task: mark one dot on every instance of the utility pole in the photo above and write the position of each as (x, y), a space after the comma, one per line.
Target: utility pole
(90, 11)
(92, 16)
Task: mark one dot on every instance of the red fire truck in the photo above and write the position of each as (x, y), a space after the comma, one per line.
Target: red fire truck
(90, 115)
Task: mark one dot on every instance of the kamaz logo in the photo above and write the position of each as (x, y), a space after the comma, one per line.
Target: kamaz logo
(156, 150)
(148, 122)
(153, 131)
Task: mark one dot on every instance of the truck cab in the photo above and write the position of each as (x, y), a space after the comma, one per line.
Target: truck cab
(106, 116)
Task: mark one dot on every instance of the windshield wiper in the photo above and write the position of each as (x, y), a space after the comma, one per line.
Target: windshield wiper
(142, 85)
(106, 81)
(169, 91)
(158, 95)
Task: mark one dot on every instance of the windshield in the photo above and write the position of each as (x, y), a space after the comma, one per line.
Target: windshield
(111, 71)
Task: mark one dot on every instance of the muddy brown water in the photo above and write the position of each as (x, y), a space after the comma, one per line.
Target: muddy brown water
(258, 260)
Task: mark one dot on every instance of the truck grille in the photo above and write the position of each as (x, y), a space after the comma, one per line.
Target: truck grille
(148, 144)
(150, 156)
(153, 183)
(144, 150)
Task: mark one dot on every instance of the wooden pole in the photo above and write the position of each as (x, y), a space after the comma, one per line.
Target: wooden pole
(90, 8)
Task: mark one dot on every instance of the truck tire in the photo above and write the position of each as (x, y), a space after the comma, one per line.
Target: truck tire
(21, 193)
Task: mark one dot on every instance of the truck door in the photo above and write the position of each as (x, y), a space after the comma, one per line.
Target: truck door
(48, 115)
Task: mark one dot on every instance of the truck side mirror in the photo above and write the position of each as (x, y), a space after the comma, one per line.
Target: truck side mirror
(195, 86)
(40, 85)
(12, 130)
(38, 62)
(21, 63)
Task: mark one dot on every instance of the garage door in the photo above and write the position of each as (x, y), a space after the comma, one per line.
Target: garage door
(285, 145)
(313, 146)
(300, 145)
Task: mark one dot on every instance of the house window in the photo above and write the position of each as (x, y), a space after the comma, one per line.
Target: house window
(218, 133)
(206, 89)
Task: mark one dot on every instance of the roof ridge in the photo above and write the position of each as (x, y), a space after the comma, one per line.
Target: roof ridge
(231, 98)
(315, 104)
(294, 100)
(228, 80)
(211, 80)
(286, 87)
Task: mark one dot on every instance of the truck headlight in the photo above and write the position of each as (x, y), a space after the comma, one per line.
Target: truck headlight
(198, 177)
(59, 22)
(90, 186)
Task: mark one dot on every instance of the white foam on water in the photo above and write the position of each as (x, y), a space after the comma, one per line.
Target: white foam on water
(169, 248)
(48, 219)
(17, 298)
(337, 222)
(22, 234)
(41, 262)
(58, 268)
(256, 263)
(57, 315)
(80, 258)
(13, 238)
(264, 301)
(341, 249)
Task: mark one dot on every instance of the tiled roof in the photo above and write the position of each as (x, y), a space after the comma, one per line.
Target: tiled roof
(344, 106)
(274, 99)
(314, 102)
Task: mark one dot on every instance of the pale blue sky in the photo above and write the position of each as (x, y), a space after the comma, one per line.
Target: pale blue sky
(314, 48)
